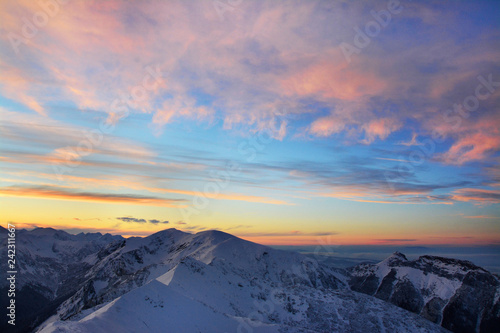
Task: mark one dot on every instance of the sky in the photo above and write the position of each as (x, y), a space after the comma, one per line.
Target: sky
(281, 122)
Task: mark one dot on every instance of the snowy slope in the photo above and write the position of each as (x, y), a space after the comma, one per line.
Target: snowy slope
(196, 297)
(155, 307)
(214, 282)
(453, 293)
(137, 261)
(151, 308)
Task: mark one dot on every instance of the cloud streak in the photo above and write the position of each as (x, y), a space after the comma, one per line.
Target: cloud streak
(130, 219)
(59, 193)
(476, 195)
(389, 240)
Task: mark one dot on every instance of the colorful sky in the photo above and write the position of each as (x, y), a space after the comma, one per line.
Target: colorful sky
(282, 122)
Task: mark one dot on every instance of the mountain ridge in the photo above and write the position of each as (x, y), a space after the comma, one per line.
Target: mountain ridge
(233, 282)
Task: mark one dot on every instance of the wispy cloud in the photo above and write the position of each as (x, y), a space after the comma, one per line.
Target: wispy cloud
(139, 220)
(476, 195)
(481, 217)
(412, 142)
(389, 240)
(59, 193)
(139, 184)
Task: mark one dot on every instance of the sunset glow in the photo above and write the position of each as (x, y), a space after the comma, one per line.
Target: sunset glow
(280, 123)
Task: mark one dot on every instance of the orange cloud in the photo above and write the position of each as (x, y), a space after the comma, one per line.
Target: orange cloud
(58, 193)
(114, 182)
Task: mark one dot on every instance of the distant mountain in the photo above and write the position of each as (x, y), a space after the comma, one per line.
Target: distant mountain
(456, 294)
(214, 282)
(51, 265)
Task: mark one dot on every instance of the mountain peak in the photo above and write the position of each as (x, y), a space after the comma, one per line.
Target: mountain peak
(399, 255)
(216, 235)
(167, 233)
(47, 231)
(40, 229)
(396, 257)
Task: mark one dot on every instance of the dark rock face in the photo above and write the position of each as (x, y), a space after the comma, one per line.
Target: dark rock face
(471, 304)
(367, 285)
(384, 291)
(406, 296)
(85, 296)
(464, 312)
(433, 310)
(491, 318)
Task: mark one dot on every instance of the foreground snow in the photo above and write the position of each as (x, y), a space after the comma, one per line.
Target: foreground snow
(195, 297)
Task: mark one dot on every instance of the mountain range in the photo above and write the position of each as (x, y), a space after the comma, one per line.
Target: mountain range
(211, 281)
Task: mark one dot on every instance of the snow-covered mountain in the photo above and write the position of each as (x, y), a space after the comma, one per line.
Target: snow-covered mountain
(211, 281)
(51, 265)
(456, 294)
(214, 282)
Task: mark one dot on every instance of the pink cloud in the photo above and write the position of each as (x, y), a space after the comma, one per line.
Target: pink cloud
(380, 128)
(333, 78)
(327, 126)
(261, 55)
(18, 86)
(180, 106)
(474, 140)
(471, 148)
